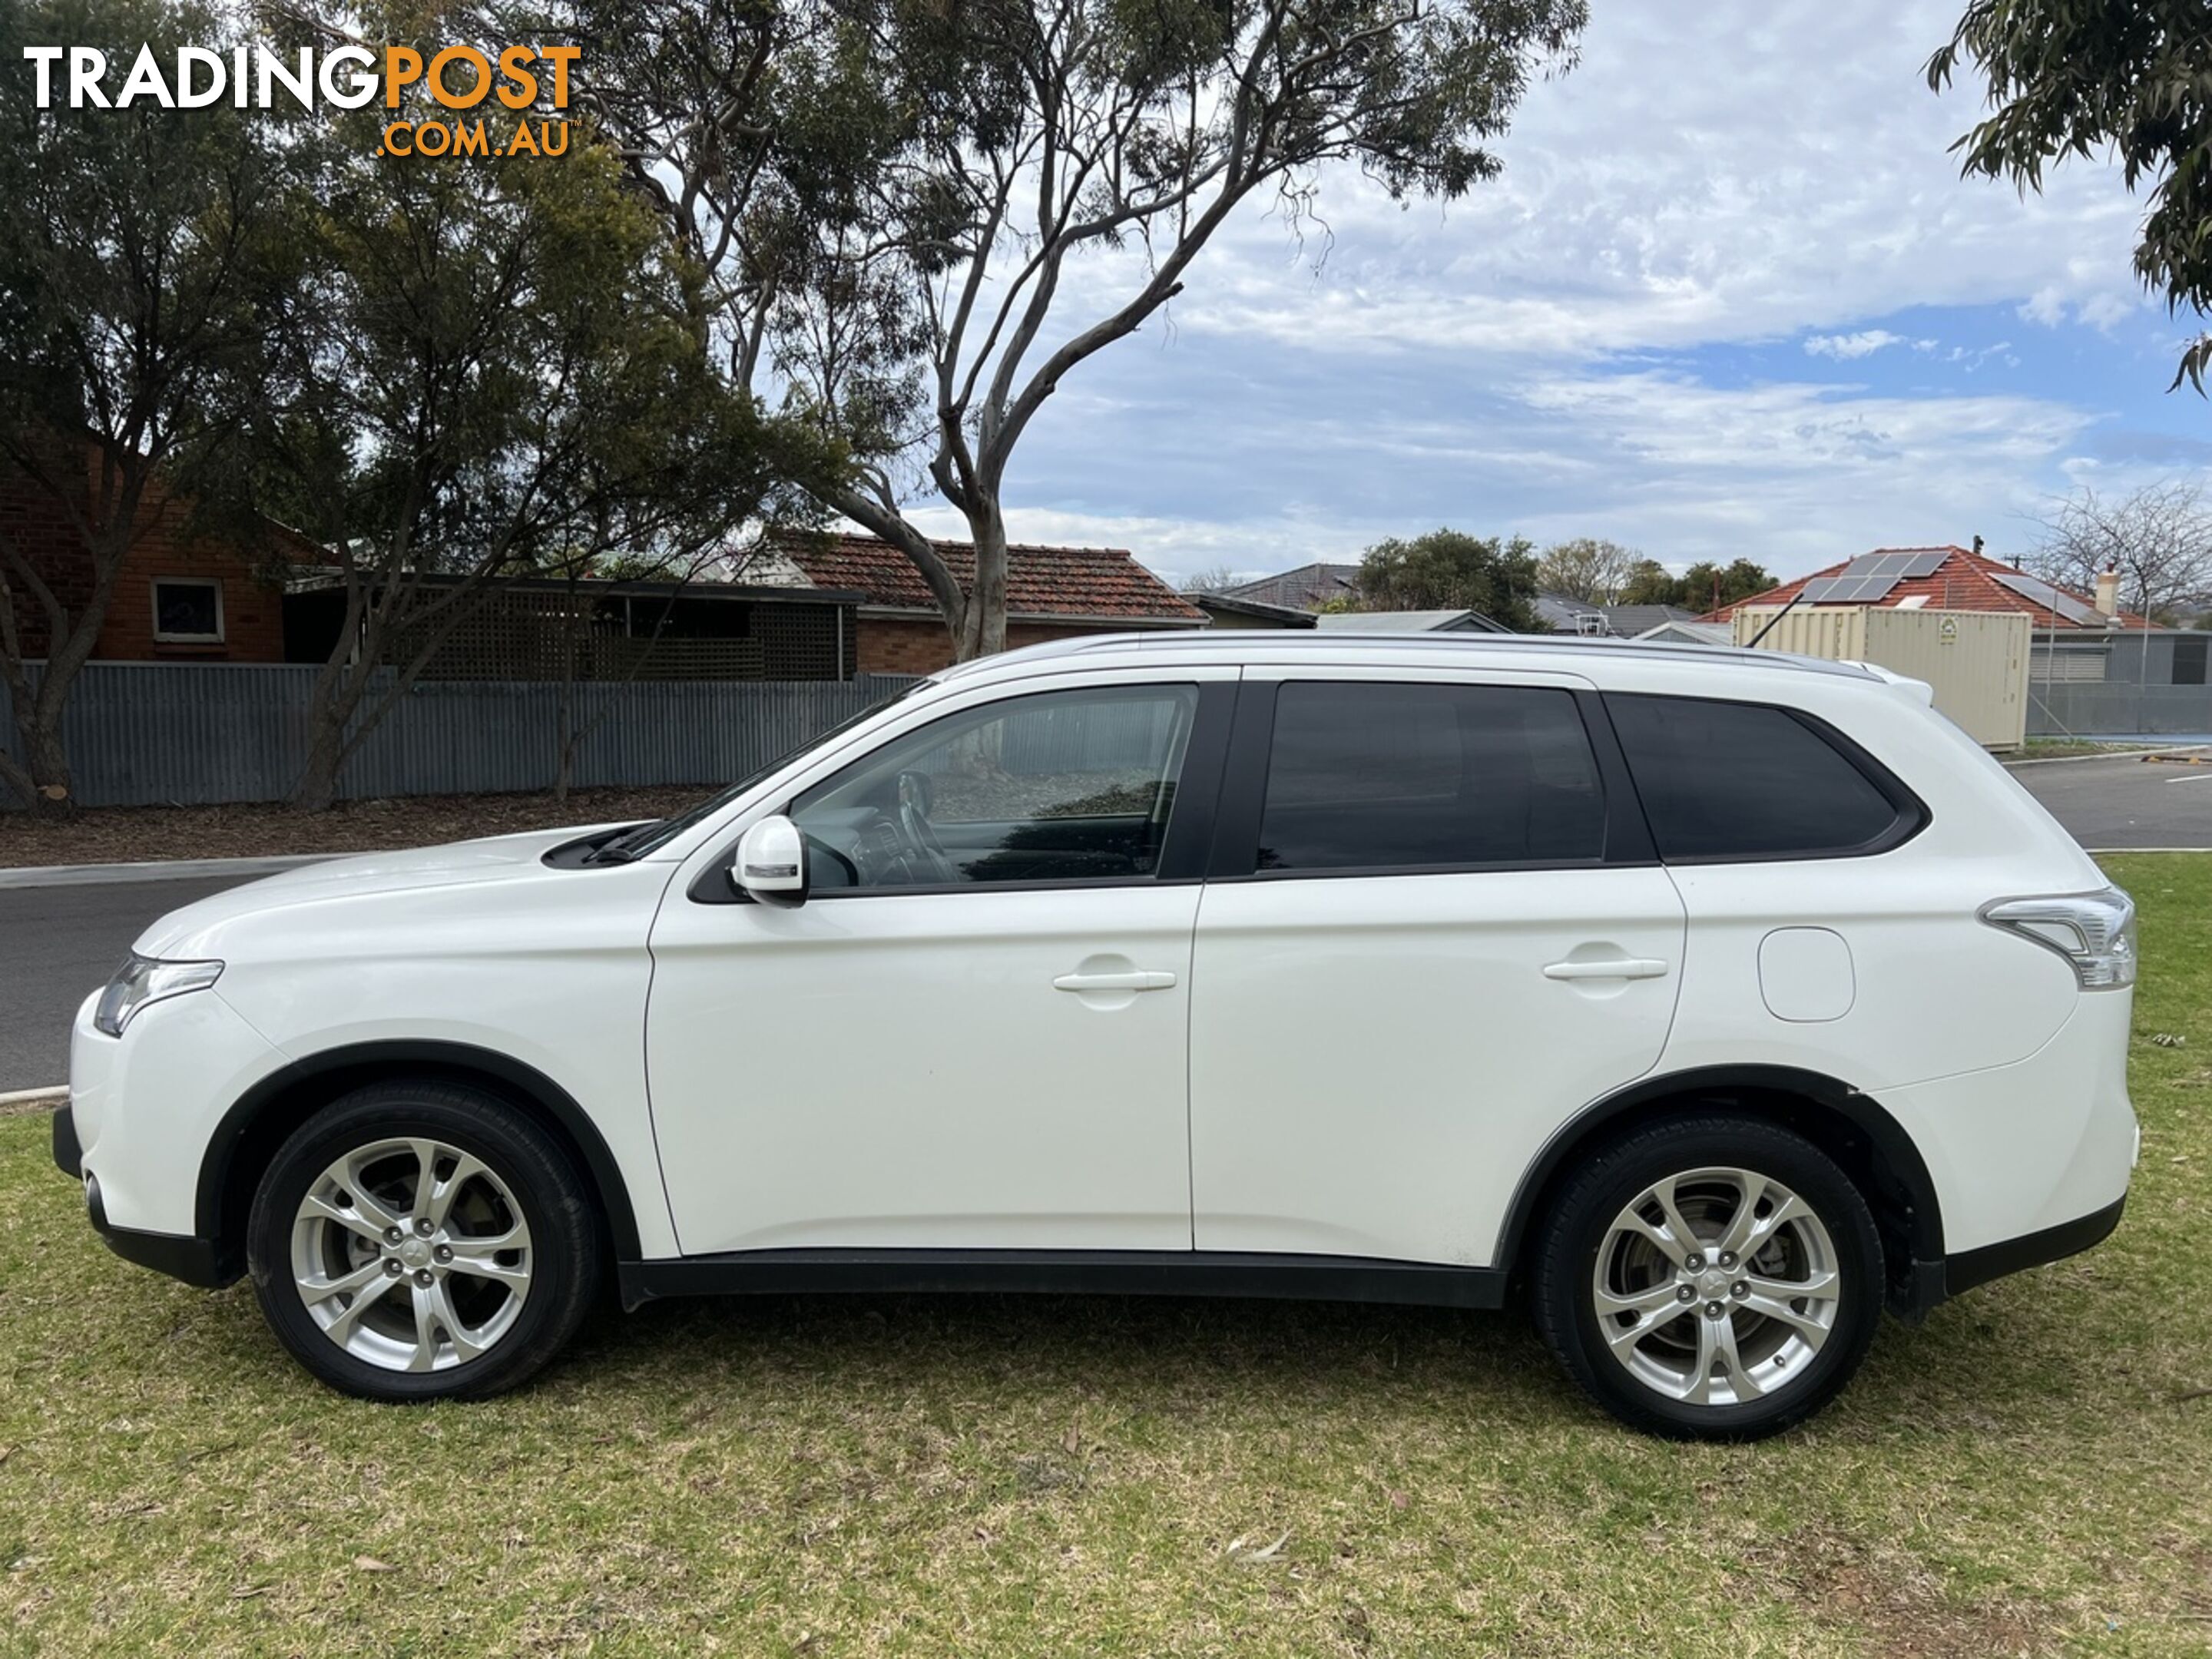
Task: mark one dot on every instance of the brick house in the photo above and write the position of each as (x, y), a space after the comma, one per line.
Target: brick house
(1052, 592)
(180, 597)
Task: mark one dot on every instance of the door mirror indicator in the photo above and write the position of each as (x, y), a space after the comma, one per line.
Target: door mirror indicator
(771, 862)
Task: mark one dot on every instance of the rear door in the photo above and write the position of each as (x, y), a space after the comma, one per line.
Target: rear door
(1432, 931)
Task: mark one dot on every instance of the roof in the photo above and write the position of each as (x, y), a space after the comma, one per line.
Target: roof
(1563, 614)
(1963, 580)
(1282, 614)
(1308, 587)
(1055, 583)
(1409, 621)
(1675, 631)
(330, 578)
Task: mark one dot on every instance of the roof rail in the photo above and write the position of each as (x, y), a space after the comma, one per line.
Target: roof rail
(1264, 644)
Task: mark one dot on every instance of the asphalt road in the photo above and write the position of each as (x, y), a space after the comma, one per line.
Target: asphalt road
(2110, 804)
(59, 943)
(56, 944)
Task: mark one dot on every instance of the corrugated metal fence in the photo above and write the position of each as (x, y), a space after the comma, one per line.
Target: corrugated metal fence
(2115, 708)
(145, 733)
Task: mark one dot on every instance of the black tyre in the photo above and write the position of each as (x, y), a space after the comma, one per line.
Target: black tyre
(422, 1241)
(1709, 1277)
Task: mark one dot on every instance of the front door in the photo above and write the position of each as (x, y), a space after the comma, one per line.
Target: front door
(974, 1033)
(1433, 933)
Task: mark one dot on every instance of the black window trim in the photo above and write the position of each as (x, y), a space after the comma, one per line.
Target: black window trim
(1182, 855)
(1909, 816)
(1627, 839)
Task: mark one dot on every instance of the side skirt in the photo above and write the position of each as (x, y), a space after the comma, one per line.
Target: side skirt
(1081, 1272)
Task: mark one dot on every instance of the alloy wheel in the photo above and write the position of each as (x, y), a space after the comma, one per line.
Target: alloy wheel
(411, 1254)
(1716, 1286)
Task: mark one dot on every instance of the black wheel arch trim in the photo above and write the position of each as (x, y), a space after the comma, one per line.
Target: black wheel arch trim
(1862, 1111)
(384, 1059)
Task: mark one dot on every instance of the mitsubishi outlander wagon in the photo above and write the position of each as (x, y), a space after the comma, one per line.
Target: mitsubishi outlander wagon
(1706, 1003)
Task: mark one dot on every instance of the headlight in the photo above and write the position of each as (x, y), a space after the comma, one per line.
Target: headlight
(143, 980)
(2094, 931)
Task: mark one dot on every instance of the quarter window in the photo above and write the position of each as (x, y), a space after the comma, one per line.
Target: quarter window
(1062, 786)
(1722, 780)
(1367, 776)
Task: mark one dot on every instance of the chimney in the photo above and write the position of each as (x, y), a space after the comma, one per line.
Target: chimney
(1977, 547)
(2108, 592)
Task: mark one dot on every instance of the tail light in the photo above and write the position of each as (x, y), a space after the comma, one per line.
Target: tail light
(2094, 931)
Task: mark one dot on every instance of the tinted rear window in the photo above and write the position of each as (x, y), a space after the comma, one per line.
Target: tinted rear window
(1373, 776)
(1743, 781)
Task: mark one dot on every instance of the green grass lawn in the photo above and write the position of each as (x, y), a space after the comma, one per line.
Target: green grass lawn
(1048, 1477)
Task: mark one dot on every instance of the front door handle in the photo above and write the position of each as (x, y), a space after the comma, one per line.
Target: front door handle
(1135, 979)
(1616, 968)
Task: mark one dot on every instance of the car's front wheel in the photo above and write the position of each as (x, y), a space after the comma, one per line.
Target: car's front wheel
(1711, 1278)
(420, 1240)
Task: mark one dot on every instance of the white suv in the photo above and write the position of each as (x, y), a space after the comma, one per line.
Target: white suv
(1709, 1000)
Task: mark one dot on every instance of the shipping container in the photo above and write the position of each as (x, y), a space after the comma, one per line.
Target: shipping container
(1976, 660)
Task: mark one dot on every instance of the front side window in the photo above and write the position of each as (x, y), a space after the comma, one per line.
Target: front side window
(1366, 776)
(1058, 787)
(1722, 780)
(188, 612)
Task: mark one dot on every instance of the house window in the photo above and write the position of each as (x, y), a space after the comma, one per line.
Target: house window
(188, 610)
(2189, 659)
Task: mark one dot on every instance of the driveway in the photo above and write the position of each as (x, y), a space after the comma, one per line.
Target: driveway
(59, 943)
(56, 944)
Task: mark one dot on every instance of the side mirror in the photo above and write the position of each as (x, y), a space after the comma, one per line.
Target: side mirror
(771, 863)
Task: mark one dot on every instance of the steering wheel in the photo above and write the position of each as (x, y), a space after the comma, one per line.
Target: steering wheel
(916, 798)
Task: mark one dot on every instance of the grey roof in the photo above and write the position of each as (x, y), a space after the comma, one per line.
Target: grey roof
(1675, 631)
(1236, 605)
(1301, 589)
(1410, 622)
(1564, 615)
(1634, 619)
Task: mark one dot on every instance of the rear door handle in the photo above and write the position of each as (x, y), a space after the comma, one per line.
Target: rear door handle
(1136, 978)
(1618, 968)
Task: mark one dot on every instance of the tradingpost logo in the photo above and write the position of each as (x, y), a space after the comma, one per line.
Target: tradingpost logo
(458, 78)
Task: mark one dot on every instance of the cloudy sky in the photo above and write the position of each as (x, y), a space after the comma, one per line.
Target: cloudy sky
(1730, 297)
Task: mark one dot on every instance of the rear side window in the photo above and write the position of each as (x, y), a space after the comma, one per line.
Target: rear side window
(1723, 781)
(1366, 776)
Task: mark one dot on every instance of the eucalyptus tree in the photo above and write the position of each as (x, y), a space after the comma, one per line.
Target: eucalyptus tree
(2085, 78)
(920, 218)
(150, 257)
(504, 375)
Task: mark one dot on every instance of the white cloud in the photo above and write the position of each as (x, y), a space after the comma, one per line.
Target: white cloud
(1864, 343)
(1727, 171)
(1731, 175)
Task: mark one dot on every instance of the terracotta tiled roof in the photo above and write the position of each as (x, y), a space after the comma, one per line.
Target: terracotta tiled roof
(1103, 582)
(1962, 582)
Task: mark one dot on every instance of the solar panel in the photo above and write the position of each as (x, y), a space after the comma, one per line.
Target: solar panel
(2050, 599)
(1898, 564)
(1848, 589)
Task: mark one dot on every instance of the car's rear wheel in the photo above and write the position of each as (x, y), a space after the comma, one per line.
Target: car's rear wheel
(422, 1240)
(1711, 1278)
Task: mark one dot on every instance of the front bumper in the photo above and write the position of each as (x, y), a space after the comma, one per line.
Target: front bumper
(195, 1261)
